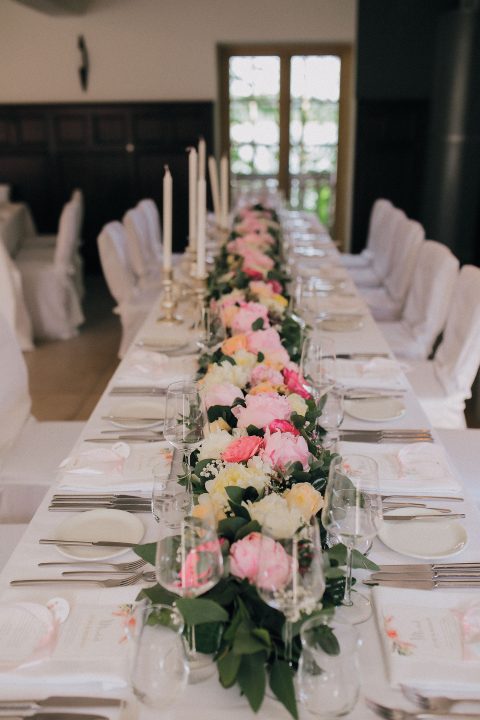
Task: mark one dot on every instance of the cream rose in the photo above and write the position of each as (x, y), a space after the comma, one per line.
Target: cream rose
(304, 498)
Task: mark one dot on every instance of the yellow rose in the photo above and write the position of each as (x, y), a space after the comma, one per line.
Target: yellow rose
(264, 387)
(237, 342)
(219, 424)
(305, 499)
(280, 300)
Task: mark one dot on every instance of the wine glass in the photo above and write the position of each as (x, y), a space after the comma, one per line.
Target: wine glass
(352, 513)
(332, 416)
(184, 420)
(159, 669)
(210, 329)
(170, 500)
(189, 562)
(318, 362)
(290, 574)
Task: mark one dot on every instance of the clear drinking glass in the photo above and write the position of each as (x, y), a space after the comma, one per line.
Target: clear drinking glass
(210, 329)
(189, 562)
(290, 574)
(185, 420)
(352, 512)
(328, 685)
(170, 501)
(160, 669)
(332, 416)
(318, 362)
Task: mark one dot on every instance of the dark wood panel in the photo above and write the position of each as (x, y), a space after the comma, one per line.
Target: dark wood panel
(115, 152)
(390, 159)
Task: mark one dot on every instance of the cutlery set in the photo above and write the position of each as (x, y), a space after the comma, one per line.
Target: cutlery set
(151, 391)
(390, 713)
(77, 503)
(50, 708)
(386, 436)
(427, 576)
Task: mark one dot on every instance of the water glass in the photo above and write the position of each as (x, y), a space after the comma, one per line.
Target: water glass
(328, 685)
(171, 502)
(160, 669)
(332, 416)
(318, 362)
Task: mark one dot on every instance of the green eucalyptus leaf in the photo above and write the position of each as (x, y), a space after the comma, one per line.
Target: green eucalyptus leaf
(246, 643)
(249, 527)
(228, 666)
(147, 552)
(258, 324)
(251, 678)
(360, 561)
(196, 611)
(230, 526)
(281, 683)
(234, 493)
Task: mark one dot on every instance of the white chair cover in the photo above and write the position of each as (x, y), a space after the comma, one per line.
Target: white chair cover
(133, 304)
(379, 211)
(443, 384)
(374, 276)
(387, 303)
(14, 396)
(143, 260)
(12, 301)
(49, 287)
(150, 210)
(427, 303)
(29, 451)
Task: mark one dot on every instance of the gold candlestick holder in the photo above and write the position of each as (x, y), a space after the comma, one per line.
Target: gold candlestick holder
(200, 288)
(168, 302)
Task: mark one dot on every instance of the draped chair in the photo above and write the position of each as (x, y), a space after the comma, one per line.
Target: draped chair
(427, 304)
(443, 384)
(380, 210)
(150, 211)
(30, 451)
(382, 250)
(49, 281)
(142, 253)
(12, 301)
(387, 302)
(132, 302)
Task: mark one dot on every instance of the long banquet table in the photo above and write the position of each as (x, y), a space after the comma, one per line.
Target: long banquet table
(209, 701)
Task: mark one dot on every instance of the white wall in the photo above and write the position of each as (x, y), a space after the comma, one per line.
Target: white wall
(149, 49)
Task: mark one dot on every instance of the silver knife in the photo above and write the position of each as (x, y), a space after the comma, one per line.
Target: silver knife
(424, 584)
(87, 543)
(429, 567)
(59, 701)
(407, 518)
(90, 506)
(126, 438)
(129, 418)
(52, 716)
(403, 439)
(453, 576)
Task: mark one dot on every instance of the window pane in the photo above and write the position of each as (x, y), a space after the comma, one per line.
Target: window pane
(254, 84)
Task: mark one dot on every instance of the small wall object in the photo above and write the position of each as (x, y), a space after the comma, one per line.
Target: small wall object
(84, 68)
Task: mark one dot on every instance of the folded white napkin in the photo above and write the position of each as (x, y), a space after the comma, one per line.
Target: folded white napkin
(380, 373)
(414, 468)
(88, 647)
(119, 467)
(143, 367)
(430, 640)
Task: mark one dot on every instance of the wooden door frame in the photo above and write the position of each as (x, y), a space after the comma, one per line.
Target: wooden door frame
(285, 51)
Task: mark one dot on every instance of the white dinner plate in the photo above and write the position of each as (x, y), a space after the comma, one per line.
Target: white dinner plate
(375, 409)
(99, 524)
(423, 539)
(137, 414)
(340, 323)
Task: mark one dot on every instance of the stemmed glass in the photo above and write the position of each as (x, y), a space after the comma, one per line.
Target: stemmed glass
(352, 513)
(189, 562)
(210, 328)
(318, 362)
(332, 416)
(184, 420)
(290, 574)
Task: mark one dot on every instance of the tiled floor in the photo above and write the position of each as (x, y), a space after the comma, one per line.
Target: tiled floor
(67, 377)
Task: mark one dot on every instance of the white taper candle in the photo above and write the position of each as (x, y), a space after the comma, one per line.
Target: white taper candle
(224, 191)
(192, 197)
(202, 217)
(167, 220)
(202, 157)
(212, 171)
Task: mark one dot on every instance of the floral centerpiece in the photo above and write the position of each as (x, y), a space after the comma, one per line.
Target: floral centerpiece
(261, 463)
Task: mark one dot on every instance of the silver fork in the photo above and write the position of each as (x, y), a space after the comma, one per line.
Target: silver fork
(438, 704)
(396, 714)
(149, 575)
(108, 583)
(119, 567)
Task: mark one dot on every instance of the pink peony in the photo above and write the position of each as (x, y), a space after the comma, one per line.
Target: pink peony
(295, 383)
(264, 341)
(248, 313)
(275, 285)
(283, 426)
(263, 373)
(242, 449)
(224, 394)
(244, 555)
(261, 410)
(274, 569)
(284, 448)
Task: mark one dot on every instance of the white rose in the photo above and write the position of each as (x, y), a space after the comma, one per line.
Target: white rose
(273, 512)
(297, 404)
(245, 359)
(214, 444)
